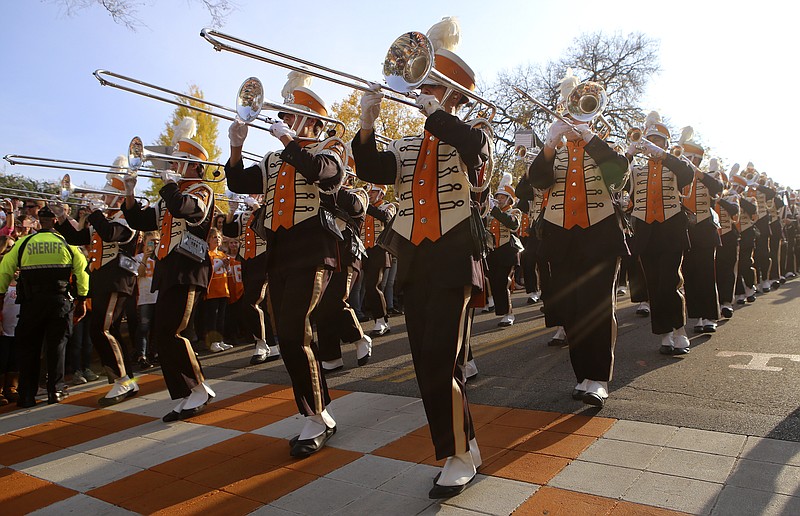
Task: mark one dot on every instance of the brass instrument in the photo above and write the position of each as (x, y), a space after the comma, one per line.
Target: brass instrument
(69, 190)
(250, 102)
(677, 151)
(635, 134)
(584, 103)
(63, 164)
(137, 155)
(27, 195)
(409, 63)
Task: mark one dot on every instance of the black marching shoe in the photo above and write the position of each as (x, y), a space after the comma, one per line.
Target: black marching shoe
(438, 492)
(751, 298)
(557, 342)
(302, 448)
(666, 350)
(56, 397)
(727, 312)
(577, 394)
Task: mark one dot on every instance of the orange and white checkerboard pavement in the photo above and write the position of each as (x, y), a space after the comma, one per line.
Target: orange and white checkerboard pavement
(234, 459)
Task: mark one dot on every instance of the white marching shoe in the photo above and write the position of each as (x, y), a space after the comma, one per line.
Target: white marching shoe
(122, 389)
(192, 404)
(680, 342)
(332, 365)
(381, 328)
(318, 428)
(470, 370)
(458, 471)
(264, 353)
(506, 321)
(596, 393)
(363, 350)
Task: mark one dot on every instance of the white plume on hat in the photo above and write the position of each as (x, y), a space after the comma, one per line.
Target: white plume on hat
(505, 181)
(119, 165)
(750, 165)
(445, 34)
(734, 169)
(713, 165)
(686, 134)
(567, 84)
(295, 80)
(652, 118)
(186, 128)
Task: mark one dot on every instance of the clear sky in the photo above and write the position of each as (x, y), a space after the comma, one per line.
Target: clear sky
(729, 68)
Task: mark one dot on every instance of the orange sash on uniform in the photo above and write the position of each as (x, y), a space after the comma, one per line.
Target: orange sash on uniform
(425, 193)
(576, 210)
(655, 192)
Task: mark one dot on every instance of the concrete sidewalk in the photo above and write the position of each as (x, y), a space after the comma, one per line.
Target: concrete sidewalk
(234, 459)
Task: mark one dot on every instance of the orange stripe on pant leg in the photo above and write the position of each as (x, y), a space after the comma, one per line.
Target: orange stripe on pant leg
(187, 314)
(111, 307)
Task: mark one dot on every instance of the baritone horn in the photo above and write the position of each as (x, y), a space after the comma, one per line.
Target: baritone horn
(408, 63)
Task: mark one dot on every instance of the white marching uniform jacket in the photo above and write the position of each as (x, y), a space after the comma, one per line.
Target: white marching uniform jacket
(655, 190)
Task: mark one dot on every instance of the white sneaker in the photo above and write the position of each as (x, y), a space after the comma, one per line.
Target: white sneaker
(225, 345)
(507, 320)
(332, 365)
(216, 347)
(363, 350)
(381, 328)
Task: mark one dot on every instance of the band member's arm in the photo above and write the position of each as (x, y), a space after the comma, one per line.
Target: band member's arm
(508, 219)
(250, 180)
(472, 143)
(141, 218)
(713, 184)
(731, 207)
(682, 170)
(195, 205)
(322, 168)
(767, 191)
(71, 235)
(779, 202)
(233, 229)
(110, 231)
(383, 215)
(349, 203)
(372, 165)
(747, 206)
(613, 166)
(541, 174)
(524, 192)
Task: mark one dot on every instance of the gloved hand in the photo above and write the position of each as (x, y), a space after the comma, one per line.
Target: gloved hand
(370, 109)
(233, 205)
(94, 205)
(237, 133)
(280, 129)
(492, 203)
(251, 203)
(58, 210)
(556, 132)
(650, 149)
(130, 183)
(428, 104)
(585, 132)
(168, 176)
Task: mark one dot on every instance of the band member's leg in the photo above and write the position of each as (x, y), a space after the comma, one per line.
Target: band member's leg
(662, 272)
(107, 307)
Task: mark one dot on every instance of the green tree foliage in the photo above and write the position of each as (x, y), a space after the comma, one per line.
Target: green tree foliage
(207, 132)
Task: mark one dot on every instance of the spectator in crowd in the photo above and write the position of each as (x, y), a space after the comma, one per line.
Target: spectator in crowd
(146, 302)
(216, 295)
(9, 373)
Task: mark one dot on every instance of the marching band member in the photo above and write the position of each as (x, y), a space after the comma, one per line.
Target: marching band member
(532, 272)
(301, 242)
(727, 208)
(378, 260)
(335, 319)
(774, 205)
(700, 285)
(113, 271)
(761, 254)
(660, 234)
(253, 254)
(582, 238)
(432, 175)
(504, 220)
(746, 274)
(184, 215)
(792, 231)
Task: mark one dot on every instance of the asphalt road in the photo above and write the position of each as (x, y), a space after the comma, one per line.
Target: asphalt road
(719, 386)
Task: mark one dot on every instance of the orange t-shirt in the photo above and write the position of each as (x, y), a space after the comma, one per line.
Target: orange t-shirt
(218, 285)
(235, 283)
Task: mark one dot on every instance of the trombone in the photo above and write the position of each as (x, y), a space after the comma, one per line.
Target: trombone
(137, 156)
(585, 102)
(250, 102)
(62, 164)
(27, 195)
(409, 62)
(69, 190)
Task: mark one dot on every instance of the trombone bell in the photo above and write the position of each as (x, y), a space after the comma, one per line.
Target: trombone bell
(408, 62)
(634, 134)
(586, 100)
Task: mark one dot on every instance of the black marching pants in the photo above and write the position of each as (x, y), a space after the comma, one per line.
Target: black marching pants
(727, 258)
(179, 364)
(107, 310)
(374, 267)
(761, 253)
(334, 319)
(293, 294)
(699, 274)
(662, 271)
(254, 281)
(746, 277)
(775, 248)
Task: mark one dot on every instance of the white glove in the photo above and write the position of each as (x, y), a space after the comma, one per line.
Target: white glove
(251, 203)
(237, 133)
(651, 149)
(428, 104)
(168, 176)
(585, 132)
(492, 203)
(94, 205)
(233, 205)
(130, 183)
(280, 129)
(556, 132)
(58, 210)
(370, 109)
